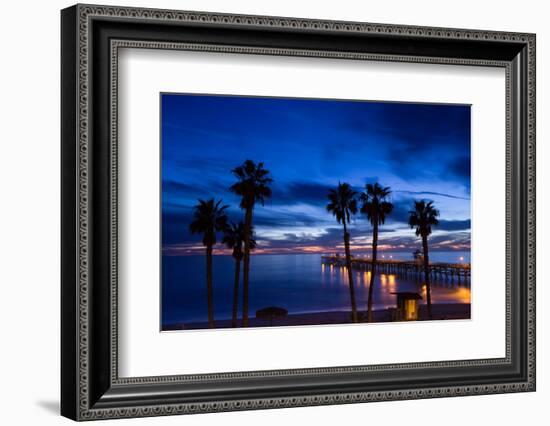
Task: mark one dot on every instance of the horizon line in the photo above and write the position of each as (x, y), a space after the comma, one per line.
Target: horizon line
(176, 252)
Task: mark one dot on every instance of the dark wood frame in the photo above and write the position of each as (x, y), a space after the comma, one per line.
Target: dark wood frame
(90, 386)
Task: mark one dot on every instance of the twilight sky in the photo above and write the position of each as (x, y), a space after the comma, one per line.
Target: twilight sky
(421, 151)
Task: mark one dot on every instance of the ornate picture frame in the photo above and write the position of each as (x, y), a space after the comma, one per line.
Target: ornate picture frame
(91, 38)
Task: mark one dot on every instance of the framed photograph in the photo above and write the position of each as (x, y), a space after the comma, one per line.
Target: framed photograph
(263, 212)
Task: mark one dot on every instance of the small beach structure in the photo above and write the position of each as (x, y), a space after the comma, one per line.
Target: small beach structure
(407, 306)
(270, 313)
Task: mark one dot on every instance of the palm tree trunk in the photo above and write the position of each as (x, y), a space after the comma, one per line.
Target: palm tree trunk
(350, 275)
(372, 269)
(246, 263)
(236, 292)
(209, 287)
(427, 275)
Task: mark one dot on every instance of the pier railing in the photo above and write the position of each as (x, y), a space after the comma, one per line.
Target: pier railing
(403, 267)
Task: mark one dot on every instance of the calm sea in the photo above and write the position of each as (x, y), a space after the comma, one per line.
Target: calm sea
(297, 282)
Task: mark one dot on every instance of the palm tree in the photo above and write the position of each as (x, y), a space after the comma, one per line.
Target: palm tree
(376, 207)
(252, 185)
(423, 217)
(209, 217)
(234, 239)
(343, 204)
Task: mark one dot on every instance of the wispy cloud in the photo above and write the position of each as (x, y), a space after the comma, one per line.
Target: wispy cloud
(432, 193)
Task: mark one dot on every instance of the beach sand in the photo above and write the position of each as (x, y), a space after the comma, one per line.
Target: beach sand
(440, 311)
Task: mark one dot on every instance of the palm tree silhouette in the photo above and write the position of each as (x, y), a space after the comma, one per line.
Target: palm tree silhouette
(423, 217)
(253, 186)
(343, 204)
(376, 207)
(234, 239)
(209, 217)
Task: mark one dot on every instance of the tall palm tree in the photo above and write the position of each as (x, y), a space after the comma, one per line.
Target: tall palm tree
(253, 182)
(234, 239)
(209, 217)
(376, 207)
(343, 204)
(423, 217)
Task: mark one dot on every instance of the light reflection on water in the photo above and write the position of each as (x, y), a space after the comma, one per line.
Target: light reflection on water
(298, 283)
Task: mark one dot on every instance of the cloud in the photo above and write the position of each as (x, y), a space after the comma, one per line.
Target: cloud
(300, 192)
(453, 225)
(401, 209)
(460, 167)
(187, 193)
(438, 194)
(278, 219)
(329, 237)
(175, 227)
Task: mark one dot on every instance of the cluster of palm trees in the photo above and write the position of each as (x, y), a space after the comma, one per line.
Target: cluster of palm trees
(210, 217)
(252, 184)
(375, 205)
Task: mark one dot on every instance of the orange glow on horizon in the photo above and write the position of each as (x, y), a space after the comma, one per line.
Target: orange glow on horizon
(198, 249)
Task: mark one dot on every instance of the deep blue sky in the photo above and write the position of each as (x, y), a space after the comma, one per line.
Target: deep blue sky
(421, 151)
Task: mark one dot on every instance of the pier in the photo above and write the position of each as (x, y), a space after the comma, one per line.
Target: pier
(407, 268)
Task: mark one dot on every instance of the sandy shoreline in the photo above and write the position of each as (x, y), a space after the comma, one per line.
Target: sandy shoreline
(440, 311)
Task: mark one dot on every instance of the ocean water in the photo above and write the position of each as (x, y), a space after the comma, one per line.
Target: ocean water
(299, 283)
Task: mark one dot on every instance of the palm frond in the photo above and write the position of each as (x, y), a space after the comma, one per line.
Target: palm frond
(234, 236)
(253, 183)
(209, 217)
(342, 202)
(375, 204)
(423, 217)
